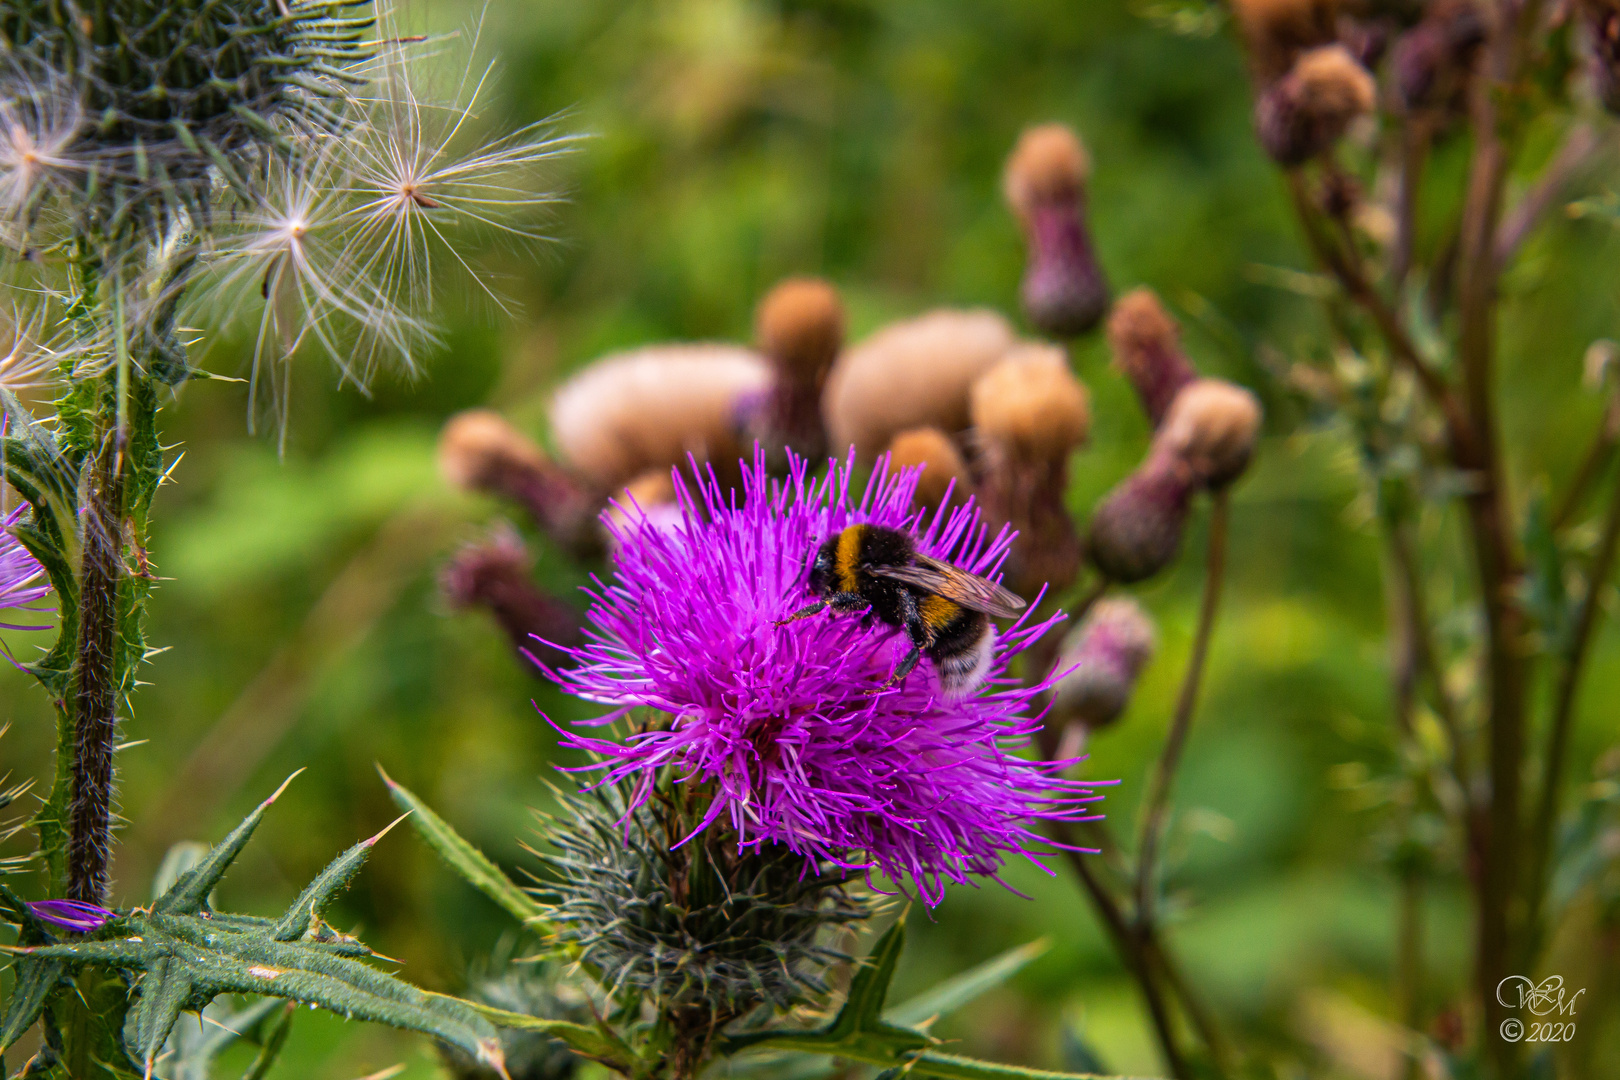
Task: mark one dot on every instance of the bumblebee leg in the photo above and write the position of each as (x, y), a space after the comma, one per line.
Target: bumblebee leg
(804, 613)
(847, 602)
(917, 632)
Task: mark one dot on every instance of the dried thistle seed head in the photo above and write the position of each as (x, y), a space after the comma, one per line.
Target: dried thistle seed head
(1030, 406)
(1136, 530)
(1212, 426)
(1048, 165)
(651, 407)
(800, 328)
(183, 89)
(1147, 350)
(945, 474)
(648, 501)
(1277, 31)
(1101, 659)
(707, 930)
(1309, 109)
(480, 450)
(914, 373)
(1431, 61)
(495, 574)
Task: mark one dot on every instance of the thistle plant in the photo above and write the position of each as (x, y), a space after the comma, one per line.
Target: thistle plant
(161, 164)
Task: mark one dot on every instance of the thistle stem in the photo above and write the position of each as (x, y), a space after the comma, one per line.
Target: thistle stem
(96, 679)
(1158, 801)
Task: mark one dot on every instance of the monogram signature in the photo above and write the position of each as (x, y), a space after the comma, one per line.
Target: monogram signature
(1517, 991)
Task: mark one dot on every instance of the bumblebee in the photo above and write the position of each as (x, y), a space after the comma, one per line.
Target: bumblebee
(944, 610)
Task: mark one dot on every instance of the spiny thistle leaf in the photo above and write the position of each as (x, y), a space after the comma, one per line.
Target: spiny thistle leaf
(960, 990)
(599, 1043)
(465, 859)
(272, 1044)
(189, 893)
(35, 980)
(303, 916)
(193, 1048)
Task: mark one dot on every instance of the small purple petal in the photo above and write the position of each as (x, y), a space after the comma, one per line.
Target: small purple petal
(72, 914)
(22, 579)
(781, 721)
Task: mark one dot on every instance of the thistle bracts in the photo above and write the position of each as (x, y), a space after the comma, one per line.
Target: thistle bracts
(703, 929)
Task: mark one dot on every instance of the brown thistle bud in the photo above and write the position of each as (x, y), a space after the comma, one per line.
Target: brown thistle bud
(1029, 412)
(1136, 529)
(1212, 425)
(799, 328)
(1064, 292)
(1602, 20)
(649, 408)
(479, 450)
(1277, 31)
(1430, 63)
(494, 573)
(945, 474)
(1099, 663)
(1307, 110)
(914, 373)
(1147, 351)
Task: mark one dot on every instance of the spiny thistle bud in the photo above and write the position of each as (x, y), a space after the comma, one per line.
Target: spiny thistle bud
(1136, 529)
(1431, 61)
(1277, 31)
(479, 450)
(799, 328)
(1147, 351)
(528, 989)
(1212, 426)
(649, 408)
(707, 930)
(1307, 110)
(914, 373)
(945, 475)
(1602, 19)
(1029, 412)
(1064, 292)
(495, 574)
(1099, 663)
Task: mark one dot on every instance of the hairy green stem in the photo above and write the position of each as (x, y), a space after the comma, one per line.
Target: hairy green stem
(96, 680)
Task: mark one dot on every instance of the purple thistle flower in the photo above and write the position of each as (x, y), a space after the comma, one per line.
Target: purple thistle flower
(22, 579)
(75, 915)
(788, 724)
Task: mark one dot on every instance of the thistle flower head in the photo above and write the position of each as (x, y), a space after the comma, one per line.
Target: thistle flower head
(651, 407)
(1136, 530)
(792, 727)
(22, 579)
(800, 327)
(1308, 110)
(1212, 425)
(1276, 31)
(1064, 292)
(1030, 406)
(912, 373)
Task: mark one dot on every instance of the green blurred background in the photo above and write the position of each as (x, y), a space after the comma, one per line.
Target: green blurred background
(731, 143)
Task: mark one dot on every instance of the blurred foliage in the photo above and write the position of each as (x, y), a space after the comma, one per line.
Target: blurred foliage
(734, 142)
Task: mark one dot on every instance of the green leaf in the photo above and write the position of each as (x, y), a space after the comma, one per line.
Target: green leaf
(193, 1048)
(303, 916)
(162, 994)
(599, 1043)
(190, 893)
(465, 859)
(35, 979)
(952, 1067)
(956, 992)
(1546, 597)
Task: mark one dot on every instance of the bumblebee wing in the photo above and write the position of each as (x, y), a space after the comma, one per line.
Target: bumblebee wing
(954, 583)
